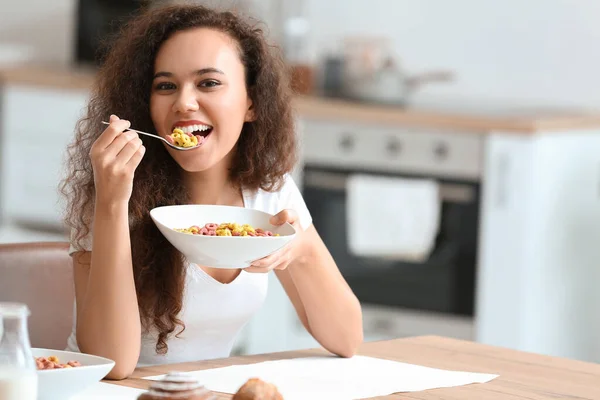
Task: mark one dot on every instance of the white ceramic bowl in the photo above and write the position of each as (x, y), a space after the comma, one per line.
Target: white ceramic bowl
(220, 251)
(67, 382)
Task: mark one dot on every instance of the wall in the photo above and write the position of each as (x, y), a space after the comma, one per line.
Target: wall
(514, 52)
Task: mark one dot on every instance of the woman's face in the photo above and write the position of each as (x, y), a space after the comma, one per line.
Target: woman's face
(199, 85)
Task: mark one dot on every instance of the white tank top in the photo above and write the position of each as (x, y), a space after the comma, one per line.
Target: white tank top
(214, 313)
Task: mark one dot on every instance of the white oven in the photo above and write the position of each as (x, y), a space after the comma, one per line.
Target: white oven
(401, 298)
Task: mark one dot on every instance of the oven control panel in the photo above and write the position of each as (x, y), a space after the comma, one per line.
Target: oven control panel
(392, 149)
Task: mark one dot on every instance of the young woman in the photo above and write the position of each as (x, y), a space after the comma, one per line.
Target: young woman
(138, 301)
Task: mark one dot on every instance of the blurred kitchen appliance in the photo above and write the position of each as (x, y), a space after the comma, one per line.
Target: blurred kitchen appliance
(373, 73)
(332, 75)
(401, 298)
(97, 21)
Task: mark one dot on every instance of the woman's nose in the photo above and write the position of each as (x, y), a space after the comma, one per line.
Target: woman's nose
(185, 101)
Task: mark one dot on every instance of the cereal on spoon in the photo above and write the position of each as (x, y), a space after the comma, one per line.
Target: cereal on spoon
(189, 136)
(182, 139)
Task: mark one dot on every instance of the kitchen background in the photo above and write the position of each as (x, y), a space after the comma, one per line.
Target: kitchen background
(485, 178)
(534, 53)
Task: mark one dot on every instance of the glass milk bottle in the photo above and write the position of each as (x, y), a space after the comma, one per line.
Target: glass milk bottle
(18, 374)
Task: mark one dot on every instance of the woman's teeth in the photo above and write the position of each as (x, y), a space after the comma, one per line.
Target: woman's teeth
(194, 128)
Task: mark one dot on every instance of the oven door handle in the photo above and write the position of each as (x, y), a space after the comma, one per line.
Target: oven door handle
(326, 180)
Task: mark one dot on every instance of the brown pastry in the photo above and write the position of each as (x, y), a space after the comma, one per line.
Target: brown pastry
(255, 389)
(177, 386)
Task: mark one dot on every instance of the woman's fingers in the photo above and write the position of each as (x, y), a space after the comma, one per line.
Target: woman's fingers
(112, 132)
(113, 150)
(256, 270)
(136, 158)
(273, 258)
(284, 216)
(128, 150)
(278, 260)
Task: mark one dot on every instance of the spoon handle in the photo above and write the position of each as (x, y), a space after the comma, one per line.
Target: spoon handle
(158, 137)
(140, 132)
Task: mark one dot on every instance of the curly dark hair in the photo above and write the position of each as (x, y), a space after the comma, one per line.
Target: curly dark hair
(266, 149)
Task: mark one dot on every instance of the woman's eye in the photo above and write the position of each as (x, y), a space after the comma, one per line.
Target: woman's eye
(164, 86)
(209, 83)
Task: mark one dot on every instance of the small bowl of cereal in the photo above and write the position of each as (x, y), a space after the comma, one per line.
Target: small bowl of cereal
(221, 236)
(63, 374)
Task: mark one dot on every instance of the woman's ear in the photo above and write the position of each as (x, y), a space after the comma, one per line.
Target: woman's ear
(250, 115)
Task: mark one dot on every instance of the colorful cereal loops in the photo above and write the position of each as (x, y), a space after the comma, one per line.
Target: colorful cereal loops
(182, 139)
(226, 229)
(52, 362)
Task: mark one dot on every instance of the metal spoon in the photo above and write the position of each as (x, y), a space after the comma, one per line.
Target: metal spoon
(158, 137)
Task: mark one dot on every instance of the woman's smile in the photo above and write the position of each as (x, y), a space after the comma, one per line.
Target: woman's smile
(200, 88)
(200, 129)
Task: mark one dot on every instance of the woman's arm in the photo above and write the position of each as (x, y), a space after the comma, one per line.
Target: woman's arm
(108, 318)
(325, 304)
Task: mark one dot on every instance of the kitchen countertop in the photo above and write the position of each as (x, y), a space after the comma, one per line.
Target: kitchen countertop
(320, 108)
(521, 375)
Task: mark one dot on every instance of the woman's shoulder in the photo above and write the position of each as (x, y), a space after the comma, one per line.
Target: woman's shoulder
(286, 188)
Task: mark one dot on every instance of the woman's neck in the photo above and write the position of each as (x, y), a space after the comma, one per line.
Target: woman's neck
(213, 186)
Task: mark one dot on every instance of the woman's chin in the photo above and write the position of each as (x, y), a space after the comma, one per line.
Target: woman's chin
(195, 166)
(201, 161)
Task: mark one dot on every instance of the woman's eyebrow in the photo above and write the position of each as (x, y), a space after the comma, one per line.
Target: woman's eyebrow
(201, 71)
(209, 70)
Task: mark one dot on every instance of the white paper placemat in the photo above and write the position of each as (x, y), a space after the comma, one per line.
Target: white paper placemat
(108, 391)
(334, 378)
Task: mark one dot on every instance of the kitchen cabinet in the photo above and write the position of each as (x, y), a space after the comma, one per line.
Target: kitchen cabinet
(37, 125)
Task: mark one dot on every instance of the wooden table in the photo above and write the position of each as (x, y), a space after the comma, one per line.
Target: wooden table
(522, 375)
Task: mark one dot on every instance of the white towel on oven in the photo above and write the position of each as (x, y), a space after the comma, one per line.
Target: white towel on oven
(392, 218)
